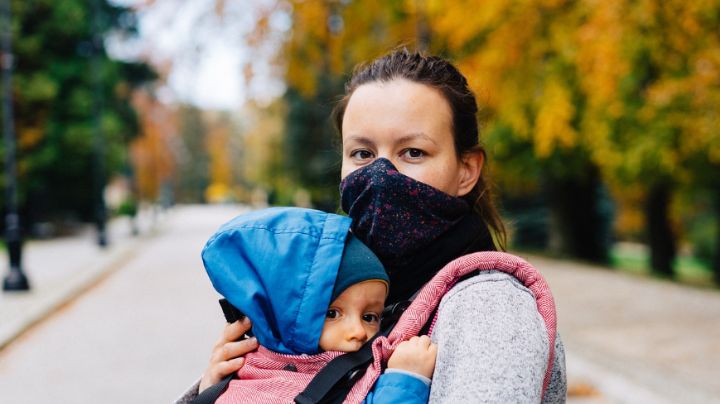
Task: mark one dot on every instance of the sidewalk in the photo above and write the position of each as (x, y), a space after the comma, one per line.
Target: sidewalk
(62, 268)
(631, 339)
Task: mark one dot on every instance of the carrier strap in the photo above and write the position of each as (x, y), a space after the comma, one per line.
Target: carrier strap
(209, 395)
(340, 373)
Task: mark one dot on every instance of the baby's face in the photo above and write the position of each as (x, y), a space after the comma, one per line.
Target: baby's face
(354, 317)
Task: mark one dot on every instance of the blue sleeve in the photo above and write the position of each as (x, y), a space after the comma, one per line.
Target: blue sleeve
(398, 388)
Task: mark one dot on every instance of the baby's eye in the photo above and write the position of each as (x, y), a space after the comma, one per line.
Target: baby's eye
(361, 154)
(371, 318)
(332, 313)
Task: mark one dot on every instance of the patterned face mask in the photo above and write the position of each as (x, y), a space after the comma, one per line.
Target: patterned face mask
(394, 214)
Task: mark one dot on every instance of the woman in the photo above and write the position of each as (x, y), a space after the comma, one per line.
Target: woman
(414, 185)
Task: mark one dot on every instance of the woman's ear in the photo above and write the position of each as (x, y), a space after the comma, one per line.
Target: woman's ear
(471, 164)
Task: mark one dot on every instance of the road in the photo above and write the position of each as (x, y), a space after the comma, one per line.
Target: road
(142, 335)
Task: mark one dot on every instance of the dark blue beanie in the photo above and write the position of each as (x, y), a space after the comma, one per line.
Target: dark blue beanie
(358, 264)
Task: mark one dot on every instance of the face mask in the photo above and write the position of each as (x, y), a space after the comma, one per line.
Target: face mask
(392, 213)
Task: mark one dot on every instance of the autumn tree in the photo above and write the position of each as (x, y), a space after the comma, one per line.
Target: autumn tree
(154, 151)
(619, 91)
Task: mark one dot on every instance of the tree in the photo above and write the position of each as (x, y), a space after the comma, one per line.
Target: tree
(54, 96)
(193, 161)
(154, 151)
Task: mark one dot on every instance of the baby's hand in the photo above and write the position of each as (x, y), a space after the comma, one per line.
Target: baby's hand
(416, 355)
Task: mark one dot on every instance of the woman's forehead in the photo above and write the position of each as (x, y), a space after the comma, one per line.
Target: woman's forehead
(399, 107)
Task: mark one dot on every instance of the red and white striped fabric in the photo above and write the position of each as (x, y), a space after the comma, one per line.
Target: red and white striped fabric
(264, 378)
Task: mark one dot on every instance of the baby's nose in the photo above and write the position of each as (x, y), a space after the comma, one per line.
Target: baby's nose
(356, 330)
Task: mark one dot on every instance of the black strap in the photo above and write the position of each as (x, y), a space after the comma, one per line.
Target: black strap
(209, 395)
(338, 372)
(334, 381)
(232, 314)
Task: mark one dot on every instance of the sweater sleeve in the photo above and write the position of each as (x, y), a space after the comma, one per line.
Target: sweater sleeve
(189, 394)
(492, 343)
(398, 388)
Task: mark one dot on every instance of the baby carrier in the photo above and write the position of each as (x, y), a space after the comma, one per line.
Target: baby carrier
(334, 377)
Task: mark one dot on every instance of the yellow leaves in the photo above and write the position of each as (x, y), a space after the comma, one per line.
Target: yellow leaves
(464, 20)
(219, 149)
(29, 137)
(600, 61)
(218, 193)
(630, 217)
(553, 125)
(603, 151)
(329, 38)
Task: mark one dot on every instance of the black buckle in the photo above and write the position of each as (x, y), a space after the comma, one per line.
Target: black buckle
(391, 314)
(232, 314)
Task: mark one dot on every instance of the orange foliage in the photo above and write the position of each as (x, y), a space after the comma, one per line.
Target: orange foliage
(151, 152)
(218, 145)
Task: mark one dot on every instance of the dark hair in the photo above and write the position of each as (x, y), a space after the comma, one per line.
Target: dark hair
(440, 74)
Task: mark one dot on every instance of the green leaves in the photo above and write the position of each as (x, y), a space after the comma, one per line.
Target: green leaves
(57, 98)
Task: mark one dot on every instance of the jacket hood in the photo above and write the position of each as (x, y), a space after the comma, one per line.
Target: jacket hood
(278, 266)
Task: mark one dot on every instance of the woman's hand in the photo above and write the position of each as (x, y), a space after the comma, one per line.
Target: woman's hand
(416, 355)
(227, 354)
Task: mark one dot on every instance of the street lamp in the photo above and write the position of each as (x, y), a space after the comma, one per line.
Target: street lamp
(15, 279)
(99, 141)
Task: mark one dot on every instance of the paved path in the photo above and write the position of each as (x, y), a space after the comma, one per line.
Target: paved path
(143, 331)
(141, 335)
(636, 340)
(61, 268)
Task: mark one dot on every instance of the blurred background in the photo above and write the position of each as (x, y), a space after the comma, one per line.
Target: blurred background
(601, 118)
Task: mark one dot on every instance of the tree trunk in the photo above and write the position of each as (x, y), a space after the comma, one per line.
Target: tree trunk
(660, 236)
(578, 227)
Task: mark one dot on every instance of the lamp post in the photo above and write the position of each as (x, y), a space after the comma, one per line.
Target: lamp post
(99, 141)
(15, 280)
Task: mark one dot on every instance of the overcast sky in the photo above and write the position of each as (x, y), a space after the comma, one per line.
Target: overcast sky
(207, 51)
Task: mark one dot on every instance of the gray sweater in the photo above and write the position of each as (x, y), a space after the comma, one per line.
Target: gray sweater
(492, 346)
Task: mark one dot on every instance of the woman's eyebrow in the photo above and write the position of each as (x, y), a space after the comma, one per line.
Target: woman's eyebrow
(360, 139)
(415, 136)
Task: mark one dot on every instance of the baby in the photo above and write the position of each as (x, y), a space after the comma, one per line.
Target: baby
(311, 290)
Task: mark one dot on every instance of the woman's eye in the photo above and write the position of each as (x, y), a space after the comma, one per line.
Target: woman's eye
(371, 318)
(361, 154)
(414, 153)
(332, 313)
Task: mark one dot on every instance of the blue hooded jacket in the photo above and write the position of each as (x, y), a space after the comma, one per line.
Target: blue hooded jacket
(278, 266)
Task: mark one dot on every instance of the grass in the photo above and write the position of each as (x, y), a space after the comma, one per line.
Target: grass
(688, 269)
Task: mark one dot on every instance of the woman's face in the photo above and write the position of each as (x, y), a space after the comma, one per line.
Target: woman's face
(409, 124)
